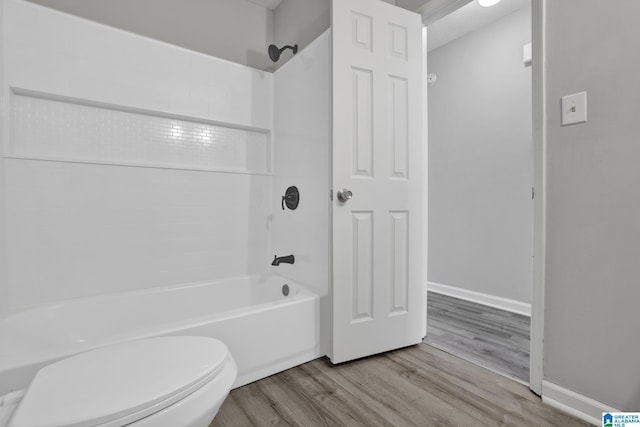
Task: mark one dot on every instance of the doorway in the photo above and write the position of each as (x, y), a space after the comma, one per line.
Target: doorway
(481, 185)
(429, 11)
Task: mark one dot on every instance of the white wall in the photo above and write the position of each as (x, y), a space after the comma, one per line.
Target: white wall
(236, 30)
(301, 158)
(86, 218)
(299, 22)
(480, 161)
(593, 203)
(3, 134)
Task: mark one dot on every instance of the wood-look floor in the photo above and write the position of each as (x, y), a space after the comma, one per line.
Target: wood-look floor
(493, 338)
(414, 386)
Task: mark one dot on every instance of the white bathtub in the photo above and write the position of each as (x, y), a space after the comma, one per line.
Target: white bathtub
(265, 331)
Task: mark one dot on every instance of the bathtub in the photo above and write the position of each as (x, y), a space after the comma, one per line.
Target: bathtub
(265, 330)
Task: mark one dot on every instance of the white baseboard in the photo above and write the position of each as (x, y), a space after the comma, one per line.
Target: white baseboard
(575, 404)
(506, 304)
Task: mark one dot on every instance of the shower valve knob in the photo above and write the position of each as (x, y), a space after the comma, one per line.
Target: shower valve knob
(344, 195)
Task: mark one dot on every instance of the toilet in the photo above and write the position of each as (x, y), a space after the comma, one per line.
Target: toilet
(160, 382)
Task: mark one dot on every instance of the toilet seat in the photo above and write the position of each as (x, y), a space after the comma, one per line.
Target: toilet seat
(119, 384)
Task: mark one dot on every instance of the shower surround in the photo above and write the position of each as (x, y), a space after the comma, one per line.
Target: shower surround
(133, 166)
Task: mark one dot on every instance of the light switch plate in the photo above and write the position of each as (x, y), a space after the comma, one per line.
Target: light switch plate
(526, 54)
(574, 108)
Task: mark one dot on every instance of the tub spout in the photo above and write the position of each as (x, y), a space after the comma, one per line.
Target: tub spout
(289, 259)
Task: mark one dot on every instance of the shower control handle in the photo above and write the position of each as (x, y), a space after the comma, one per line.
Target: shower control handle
(344, 195)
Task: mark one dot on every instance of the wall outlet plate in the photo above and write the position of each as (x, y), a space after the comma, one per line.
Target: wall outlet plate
(574, 108)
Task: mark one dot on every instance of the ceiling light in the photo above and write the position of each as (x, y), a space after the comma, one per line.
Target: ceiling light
(488, 3)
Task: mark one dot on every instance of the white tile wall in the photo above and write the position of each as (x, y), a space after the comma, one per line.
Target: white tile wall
(63, 130)
(52, 52)
(80, 229)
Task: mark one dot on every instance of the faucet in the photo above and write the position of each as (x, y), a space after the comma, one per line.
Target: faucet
(289, 259)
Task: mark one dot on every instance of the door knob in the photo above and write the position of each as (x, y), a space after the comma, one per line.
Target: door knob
(344, 195)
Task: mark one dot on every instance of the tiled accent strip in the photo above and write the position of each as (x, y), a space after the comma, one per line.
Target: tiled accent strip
(53, 128)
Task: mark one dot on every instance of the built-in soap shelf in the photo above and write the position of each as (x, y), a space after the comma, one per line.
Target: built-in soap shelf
(60, 128)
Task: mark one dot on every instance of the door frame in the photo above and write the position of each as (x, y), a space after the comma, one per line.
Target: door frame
(431, 12)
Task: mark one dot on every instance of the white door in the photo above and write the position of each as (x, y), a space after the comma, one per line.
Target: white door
(378, 239)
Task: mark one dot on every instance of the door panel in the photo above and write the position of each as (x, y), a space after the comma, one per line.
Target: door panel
(377, 155)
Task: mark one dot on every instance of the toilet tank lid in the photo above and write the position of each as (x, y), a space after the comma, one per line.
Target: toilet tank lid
(122, 382)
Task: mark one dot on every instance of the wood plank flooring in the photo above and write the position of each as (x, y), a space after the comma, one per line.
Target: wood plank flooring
(414, 386)
(489, 337)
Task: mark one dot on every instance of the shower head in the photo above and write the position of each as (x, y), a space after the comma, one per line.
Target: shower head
(274, 52)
